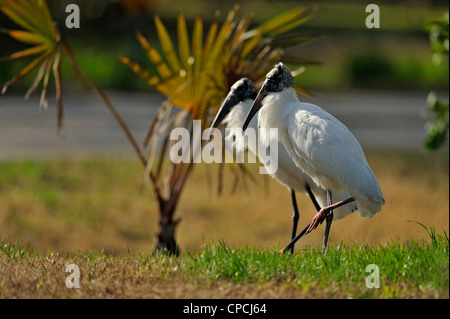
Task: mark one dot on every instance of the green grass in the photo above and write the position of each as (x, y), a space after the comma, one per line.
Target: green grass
(14, 250)
(405, 269)
(415, 269)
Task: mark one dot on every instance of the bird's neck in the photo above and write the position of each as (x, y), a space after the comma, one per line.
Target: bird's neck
(237, 115)
(275, 108)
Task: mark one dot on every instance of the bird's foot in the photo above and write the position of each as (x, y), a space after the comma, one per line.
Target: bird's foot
(318, 219)
(286, 249)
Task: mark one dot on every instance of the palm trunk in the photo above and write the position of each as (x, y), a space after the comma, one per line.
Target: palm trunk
(166, 237)
(167, 207)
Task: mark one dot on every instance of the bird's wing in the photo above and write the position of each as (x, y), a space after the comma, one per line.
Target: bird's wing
(328, 152)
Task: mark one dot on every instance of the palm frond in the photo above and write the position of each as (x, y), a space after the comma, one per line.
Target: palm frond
(40, 32)
(48, 48)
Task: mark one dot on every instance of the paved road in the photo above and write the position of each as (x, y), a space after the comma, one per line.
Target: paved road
(378, 119)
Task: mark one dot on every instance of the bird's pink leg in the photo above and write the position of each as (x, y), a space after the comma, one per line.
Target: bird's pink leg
(318, 219)
(323, 213)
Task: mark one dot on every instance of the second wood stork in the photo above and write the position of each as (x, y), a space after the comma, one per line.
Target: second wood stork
(232, 113)
(319, 145)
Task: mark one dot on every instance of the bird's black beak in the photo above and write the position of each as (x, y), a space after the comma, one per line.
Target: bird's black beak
(227, 105)
(257, 104)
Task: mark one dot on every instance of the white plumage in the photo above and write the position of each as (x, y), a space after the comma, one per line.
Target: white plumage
(323, 149)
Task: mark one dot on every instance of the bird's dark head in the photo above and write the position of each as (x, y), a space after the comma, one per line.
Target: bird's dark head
(243, 89)
(240, 91)
(278, 79)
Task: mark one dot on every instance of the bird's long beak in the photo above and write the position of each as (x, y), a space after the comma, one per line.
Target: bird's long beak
(257, 104)
(227, 106)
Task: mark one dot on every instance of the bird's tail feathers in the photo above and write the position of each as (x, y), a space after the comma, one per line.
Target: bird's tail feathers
(369, 207)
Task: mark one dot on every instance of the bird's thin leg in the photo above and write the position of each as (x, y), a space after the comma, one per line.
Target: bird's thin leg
(313, 198)
(291, 245)
(323, 213)
(328, 220)
(295, 217)
(293, 241)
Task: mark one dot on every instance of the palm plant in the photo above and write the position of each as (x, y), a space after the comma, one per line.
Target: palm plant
(195, 79)
(45, 38)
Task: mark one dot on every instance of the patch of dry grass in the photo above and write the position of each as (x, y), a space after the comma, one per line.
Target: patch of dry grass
(44, 277)
(100, 204)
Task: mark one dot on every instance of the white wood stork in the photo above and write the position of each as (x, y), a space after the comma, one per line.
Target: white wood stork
(320, 146)
(232, 113)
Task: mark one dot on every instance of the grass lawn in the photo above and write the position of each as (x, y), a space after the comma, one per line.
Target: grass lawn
(99, 214)
(416, 269)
